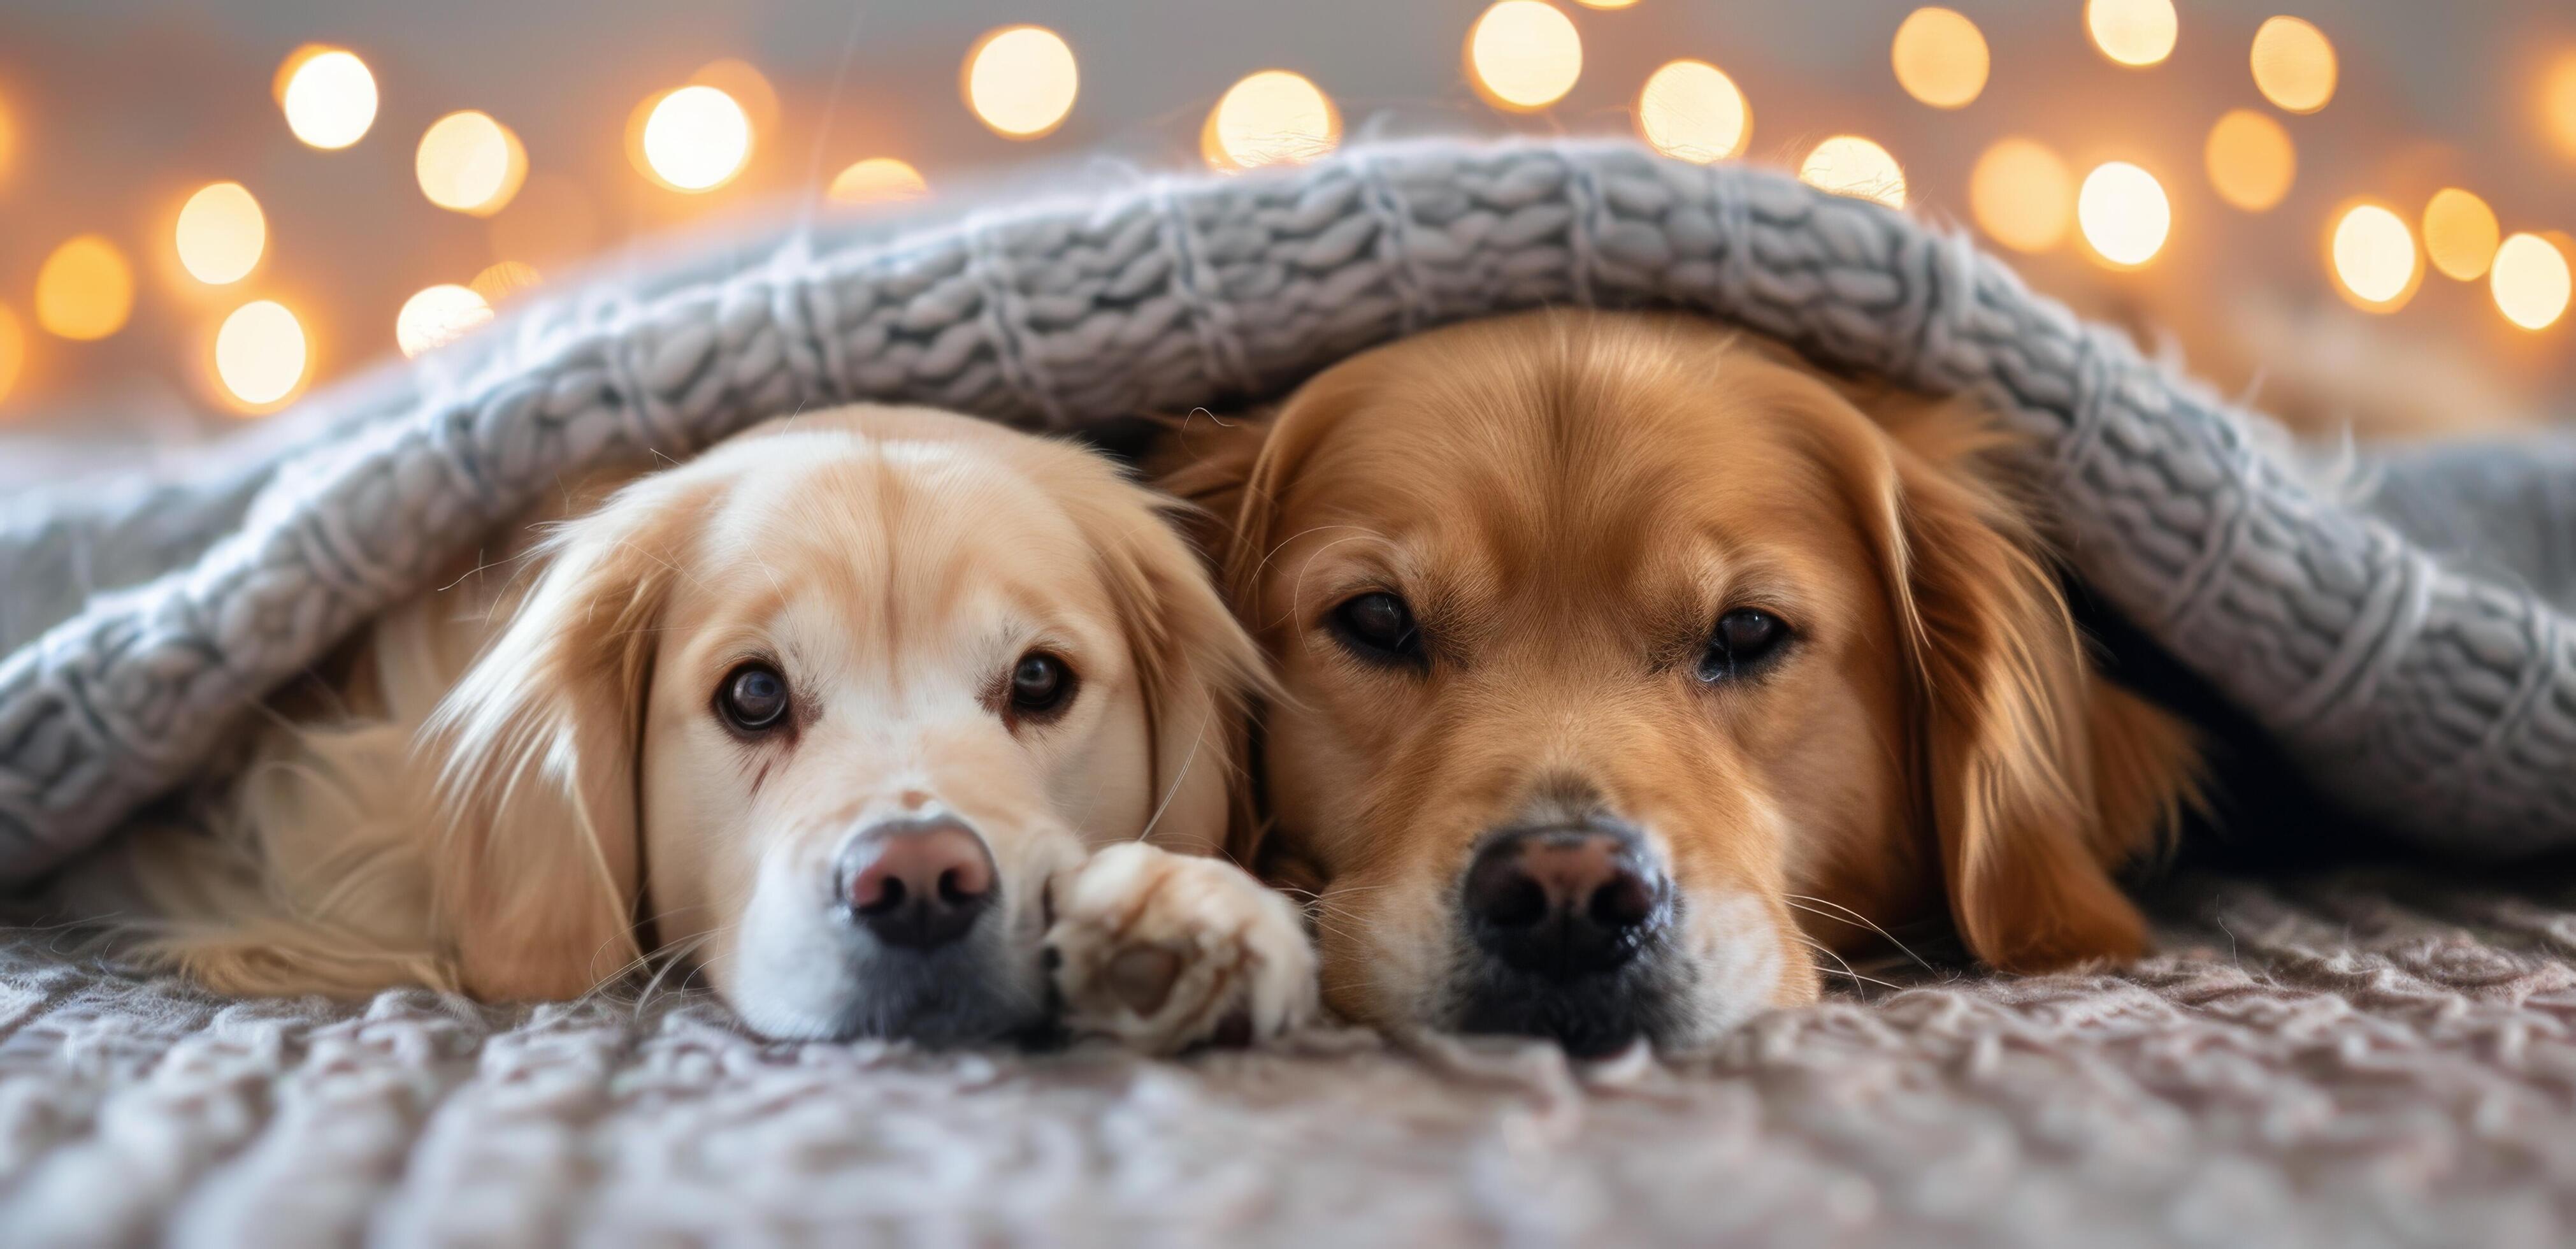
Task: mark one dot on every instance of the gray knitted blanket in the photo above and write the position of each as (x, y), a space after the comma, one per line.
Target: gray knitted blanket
(2417, 661)
(2337, 1063)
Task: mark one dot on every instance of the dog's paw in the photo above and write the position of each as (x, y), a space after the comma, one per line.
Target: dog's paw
(1164, 951)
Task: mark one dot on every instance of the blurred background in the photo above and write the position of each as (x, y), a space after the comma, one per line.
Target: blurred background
(2355, 213)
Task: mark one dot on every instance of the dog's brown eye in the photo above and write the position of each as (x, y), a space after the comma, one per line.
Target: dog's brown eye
(1378, 627)
(1743, 639)
(1041, 685)
(753, 698)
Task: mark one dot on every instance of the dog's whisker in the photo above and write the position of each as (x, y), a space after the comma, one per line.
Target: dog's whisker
(1798, 899)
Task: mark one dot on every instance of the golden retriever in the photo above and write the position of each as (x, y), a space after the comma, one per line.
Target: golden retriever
(839, 711)
(1628, 665)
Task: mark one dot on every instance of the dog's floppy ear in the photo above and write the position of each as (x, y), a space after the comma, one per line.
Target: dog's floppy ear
(2040, 777)
(1200, 673)
(536, 878)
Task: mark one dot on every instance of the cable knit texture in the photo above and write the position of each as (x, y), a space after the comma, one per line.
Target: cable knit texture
(2437, 692)
(2357, 1061)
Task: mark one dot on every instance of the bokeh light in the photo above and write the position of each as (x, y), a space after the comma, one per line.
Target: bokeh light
(2132, 32)
(877, 180)
(1848, 164)
(1524, 55)
(747, 86)
(2022, 195)
(2294, 65)
(13, 351)
(2124, 214)
(2373, 257)
(2558, 102)
(2251, 160)
(221, 234)
(437, 316)
(1606, 4)
(328, 96)
(2531, 281)
(696, 139)
(1274, 117)
(1940, 57)
(260, 353)
(8, 141)
(470, 163)
(1693, 111)
(506, 280)
(2460, 234)
(85, 289)
(1021, 81)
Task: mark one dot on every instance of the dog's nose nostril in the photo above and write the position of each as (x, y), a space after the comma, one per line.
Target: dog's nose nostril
(1564, 901)
(916, 884)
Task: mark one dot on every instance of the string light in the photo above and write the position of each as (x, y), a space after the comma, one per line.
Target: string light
(2124, 214)
(2558, 102)
(469, 163)
(695, 139)
(13, 351)
(327, 94)
(1274, 117)
(2373, 256)
(2022, 195)
(1848, 164)
(876, 180)
(1691, 110)
(505, 280)
(2460, 234)
(85, 289)
(1940, 57)
(438, 315)
(2251, 160)
(2531, 281)
(1021, 81)
(2136, 33)
(221, 234)
(2294, 65)
(260, 353)
(1523, 55)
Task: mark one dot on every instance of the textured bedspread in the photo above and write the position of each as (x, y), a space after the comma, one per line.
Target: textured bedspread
(2373, 1058)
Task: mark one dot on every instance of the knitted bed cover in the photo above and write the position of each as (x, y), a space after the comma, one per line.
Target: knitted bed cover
(2412, 651)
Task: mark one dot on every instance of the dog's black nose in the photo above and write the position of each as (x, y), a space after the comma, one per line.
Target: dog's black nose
(1565, 902)
(917, 884)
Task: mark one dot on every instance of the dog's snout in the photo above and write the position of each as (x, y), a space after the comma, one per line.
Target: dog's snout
(1565, 901)
(917, 884)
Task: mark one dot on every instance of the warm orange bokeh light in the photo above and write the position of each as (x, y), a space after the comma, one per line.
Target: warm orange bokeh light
(1021, 81)
(13, 351)
(877, 180)
(2022, 195)
(2124, 214)
(260, 353)
(2136, 33)
(1524, 55)
(220, 234)
(85, 290)
(506, 280)
(1274, 117)
(469, 163)
(2460, 234)
(436, 316)
(2531, 281)
(1850, 165)
(1693, 111)
(695, 139)
(327, 94)
(745, 85)
(2371, 253)
(1940, 57)
(2251, 161)
(2558, 103)
(2294, 64)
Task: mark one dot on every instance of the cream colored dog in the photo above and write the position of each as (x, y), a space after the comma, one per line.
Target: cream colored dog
(889, 722)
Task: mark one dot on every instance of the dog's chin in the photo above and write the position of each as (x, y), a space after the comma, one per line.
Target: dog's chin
(978, 991)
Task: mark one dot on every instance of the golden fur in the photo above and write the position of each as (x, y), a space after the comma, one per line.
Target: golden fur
(1569, 501)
